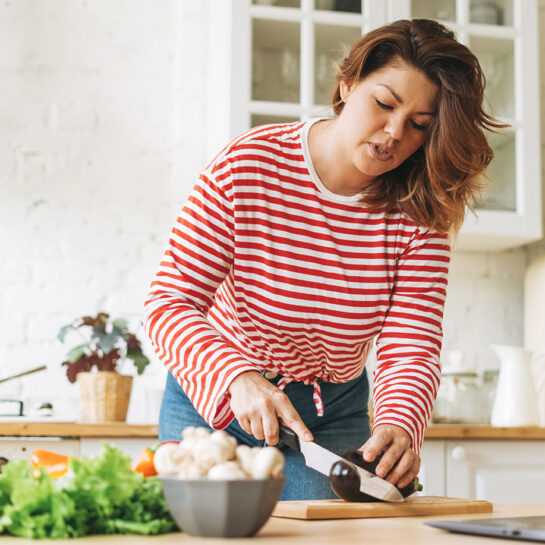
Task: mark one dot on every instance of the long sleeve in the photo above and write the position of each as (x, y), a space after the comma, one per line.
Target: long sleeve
(197, 260)
(268, 270)
(408, 370)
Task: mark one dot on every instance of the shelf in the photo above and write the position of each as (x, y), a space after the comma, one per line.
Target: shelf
(493, 13)
(444, 10)
(273, 13)
(495, 230)
(497, 59)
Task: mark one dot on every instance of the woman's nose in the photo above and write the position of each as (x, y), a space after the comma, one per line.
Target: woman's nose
(394, 127)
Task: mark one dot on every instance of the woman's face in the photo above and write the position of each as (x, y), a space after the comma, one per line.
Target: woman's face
(385, 117)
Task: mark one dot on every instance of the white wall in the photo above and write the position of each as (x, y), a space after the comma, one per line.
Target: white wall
(103, 134)
(101, 125)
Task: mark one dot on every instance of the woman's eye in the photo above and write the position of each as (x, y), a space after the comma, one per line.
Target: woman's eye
(382, 105)
(418, 127)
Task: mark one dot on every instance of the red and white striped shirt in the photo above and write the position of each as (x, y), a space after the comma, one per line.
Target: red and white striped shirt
(266, 269)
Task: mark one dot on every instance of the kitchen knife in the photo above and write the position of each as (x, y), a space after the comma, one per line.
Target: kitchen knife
(321, 460)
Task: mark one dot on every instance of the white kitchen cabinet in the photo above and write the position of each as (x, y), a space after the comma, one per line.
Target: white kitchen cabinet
(16, 448)
(90, 447)
(271, 61)
(498, 471)
(432, 468)
(274, 59)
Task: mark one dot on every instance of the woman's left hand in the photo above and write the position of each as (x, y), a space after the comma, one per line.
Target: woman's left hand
(400, 463)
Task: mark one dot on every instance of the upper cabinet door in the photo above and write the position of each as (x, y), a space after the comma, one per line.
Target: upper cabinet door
(294, 45)
(503, 36)
(274, 61)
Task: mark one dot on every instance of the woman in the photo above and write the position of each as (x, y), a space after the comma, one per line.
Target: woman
(302, 243)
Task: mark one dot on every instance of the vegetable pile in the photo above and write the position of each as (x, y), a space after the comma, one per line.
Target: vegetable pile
(215, 455)
(100, 495)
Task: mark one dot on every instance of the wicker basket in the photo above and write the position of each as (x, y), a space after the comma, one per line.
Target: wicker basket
(105, 396)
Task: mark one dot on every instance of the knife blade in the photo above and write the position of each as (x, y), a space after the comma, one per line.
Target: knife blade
(320, 459)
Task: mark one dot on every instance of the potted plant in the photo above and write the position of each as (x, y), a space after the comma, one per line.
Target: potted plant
(96, 364)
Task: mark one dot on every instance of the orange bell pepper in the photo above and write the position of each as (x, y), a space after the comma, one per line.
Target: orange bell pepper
(144, 462)
(55, 464)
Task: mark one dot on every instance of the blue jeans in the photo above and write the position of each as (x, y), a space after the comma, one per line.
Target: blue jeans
(343, 426)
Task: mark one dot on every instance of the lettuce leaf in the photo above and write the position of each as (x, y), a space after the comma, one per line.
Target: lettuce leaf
(100, 495)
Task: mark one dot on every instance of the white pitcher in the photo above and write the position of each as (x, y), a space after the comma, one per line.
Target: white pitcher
(515, 403)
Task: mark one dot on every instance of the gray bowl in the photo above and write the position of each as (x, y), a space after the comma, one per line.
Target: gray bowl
(227, 508)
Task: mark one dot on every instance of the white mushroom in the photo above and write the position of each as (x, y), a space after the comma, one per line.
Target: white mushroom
(246, 456)
(189, 444)
(170, 458)
(227, 470)
(195, 432)
(192, 470)
(191, 436)
(216, 455)
(188, 432)
(228, 442)
(207, 450)
(202, 432)
(268, 462)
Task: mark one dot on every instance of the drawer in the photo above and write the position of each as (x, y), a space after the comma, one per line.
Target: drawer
(16, 448)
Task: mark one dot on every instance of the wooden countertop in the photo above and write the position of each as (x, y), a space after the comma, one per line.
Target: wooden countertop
(75, 429)
(455, 431)
(279, 531)
(121, 429)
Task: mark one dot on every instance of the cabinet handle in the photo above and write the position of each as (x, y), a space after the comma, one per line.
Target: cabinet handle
(458, 453)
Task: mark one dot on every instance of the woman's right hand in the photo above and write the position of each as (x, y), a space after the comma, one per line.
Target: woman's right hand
(258, 405)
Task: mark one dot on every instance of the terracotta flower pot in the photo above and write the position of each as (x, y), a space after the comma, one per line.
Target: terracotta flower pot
(105, 396)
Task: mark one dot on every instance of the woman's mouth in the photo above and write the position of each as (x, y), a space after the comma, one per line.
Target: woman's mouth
(382, 153)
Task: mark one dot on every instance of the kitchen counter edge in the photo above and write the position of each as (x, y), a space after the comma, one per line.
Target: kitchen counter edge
(279, 531)
(77, 429)
(460, 431)
(122, 429)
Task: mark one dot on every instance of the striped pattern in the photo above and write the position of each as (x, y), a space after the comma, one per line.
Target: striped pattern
(265, 269)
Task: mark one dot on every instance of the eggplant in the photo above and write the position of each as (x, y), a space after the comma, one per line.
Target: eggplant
(344, 478)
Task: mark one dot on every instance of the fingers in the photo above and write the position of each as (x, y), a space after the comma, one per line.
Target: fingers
(250, 403)
(399, 463)
(290, 417)
(258, 405)
(257, 428)
(252, 427)
(404, 469)
(390, 457)
(244, 423)
(270, 428)
(260, 420)
(412, 471)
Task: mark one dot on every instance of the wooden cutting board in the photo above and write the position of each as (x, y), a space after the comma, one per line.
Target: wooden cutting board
(414, 506)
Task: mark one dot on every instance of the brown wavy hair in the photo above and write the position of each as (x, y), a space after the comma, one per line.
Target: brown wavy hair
(446, 175)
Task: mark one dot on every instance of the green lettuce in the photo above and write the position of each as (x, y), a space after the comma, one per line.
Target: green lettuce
(100, 495)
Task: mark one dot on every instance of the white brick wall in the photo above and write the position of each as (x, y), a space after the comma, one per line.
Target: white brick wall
(93, 103)
(484, 305)
(102, 126)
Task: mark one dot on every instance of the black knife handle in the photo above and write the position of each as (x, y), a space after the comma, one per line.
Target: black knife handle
(290, 438)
